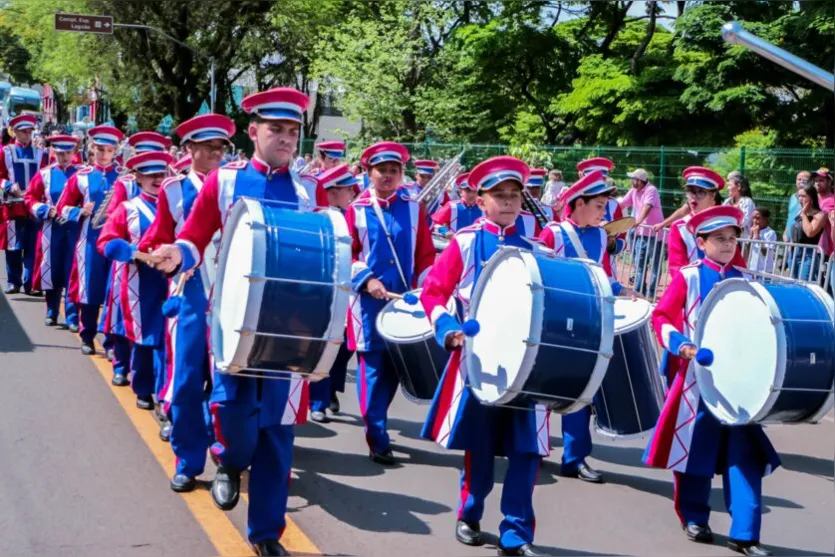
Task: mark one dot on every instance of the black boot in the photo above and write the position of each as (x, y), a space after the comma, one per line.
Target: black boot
(747, 548)
(697, 533)
(526, 549)
(382, 457)
(586, 473)
(334, 407)
(226, 488)
(269, 547)
(182, 483)
(468, 533)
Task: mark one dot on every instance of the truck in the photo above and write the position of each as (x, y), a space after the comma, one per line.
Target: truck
(20, 100)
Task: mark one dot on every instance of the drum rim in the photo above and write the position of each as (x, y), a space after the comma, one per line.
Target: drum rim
(538, 309)
(430, 334)
(829, 304)
(638, 324)
(256, 288)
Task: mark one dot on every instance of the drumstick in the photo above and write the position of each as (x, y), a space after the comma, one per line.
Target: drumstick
(408, 297)
(171, 307)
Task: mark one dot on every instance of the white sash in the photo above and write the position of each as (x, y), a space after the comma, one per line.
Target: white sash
(574, 239)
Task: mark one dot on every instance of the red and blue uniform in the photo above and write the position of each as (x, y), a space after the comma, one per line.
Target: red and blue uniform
(56, 243)
(456, 418)
(19, 165)
(134, 317)
(456, 215)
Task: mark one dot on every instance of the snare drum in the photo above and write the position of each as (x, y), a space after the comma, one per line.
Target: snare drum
(547, 329)
(774, 352)
(281, 294)
(631, 396)
(410, 338)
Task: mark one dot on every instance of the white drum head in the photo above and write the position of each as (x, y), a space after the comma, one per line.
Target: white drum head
(402, 323)
(735, 322)
(630, 315)
(208, 269)
(236, 302)
(508, 311)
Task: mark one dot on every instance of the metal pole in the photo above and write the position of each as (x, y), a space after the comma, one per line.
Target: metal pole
(212, 87)
(734, 33)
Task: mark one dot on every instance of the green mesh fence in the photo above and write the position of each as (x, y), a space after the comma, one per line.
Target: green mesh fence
(771, 172)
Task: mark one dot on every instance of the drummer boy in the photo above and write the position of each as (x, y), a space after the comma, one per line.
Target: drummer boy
(456, 419)
(580, 235)
(688, 439)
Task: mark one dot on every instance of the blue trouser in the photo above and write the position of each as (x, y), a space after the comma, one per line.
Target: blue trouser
(187, 403)
(576, 439)
(647, 256)
(742, 487)
(517, 526)
(20, 263)
(376, 386)
(321, 391)
(121, 355)
(147, 364)
(269, 451)
(88, 321)
(53, 306)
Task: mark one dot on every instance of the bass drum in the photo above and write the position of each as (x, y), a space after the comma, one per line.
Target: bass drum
(208, 269)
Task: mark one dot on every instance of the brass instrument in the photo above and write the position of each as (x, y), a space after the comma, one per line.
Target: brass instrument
(533, 207)
(439, 182)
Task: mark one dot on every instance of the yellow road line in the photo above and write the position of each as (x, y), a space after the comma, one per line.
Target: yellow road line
(223, 535)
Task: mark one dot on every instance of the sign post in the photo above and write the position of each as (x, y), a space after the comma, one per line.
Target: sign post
(78, 23)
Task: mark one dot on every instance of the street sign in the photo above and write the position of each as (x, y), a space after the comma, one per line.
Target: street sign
(78, 23)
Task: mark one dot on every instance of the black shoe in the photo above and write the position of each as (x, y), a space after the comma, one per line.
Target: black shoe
(34, 293)
(50, 322)
(88, 349)
(144, 402)
(747, 548)
(319, 417)
(182, 483)
(384, 457)
(73, 328)
(526, 549)
(697, 533)
(269, 547)
(226, 490)
(468, 533)
(12, 289)
(586, 473)
(165, 431)
(334, 407)
(119, 380)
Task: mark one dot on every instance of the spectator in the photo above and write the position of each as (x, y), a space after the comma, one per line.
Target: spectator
(552, 190)
(645, 200)
(807, 229)
(800, 182)
(761, 257)
(739, 196)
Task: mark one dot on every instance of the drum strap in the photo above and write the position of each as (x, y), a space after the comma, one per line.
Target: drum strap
(382, 219)
(575, 240)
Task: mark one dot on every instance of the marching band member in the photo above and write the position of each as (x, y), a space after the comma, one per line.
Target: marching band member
(392, 250)
(182, 166)
(426, 170)
(134, 315)
(56, 242)
(331, 154)
(82, 198)
(253, 418)
(184, 398)
(613, 208)
(580, 235)
(534, 185)
(126, 186)
(458, 214)
(702, 186)
(340, 186)
(456, 419)
(688, 439)
(19, 164)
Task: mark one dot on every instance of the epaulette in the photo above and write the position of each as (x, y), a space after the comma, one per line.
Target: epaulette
(86, 169)
(173, 179)
(128, 177)
(235, 165)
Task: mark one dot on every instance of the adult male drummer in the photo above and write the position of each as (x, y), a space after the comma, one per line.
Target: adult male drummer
(253, 417)
(184, 401)
(392, 250)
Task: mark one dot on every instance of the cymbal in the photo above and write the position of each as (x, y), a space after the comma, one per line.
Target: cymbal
(619, 226)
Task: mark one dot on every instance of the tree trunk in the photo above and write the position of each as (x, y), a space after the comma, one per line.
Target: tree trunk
(652, 8)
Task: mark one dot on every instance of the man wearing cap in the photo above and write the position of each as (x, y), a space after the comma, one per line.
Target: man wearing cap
(83, 195)
(580, 236)
(57, 239)
(688, 439)
(183, 397)
(253, 418)
(457, 419)
(392, 250)
(134, 314)
(646, 201)
(458, 214)
(331, 154)
(341, 187)
(19, 164)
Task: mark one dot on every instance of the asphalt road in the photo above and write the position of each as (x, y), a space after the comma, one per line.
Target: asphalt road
(80, 474)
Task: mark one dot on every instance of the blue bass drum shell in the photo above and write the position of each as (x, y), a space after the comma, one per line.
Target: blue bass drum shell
(546, 331)
(281, 292)
(774, 352)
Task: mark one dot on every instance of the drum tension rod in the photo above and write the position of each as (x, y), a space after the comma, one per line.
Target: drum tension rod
(799, 389)
(249, 332)
(534, 342)
(256, 278)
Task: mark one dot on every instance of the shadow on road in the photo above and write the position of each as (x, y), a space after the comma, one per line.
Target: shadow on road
(808, 464)
(722, 541)
(13, 337)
